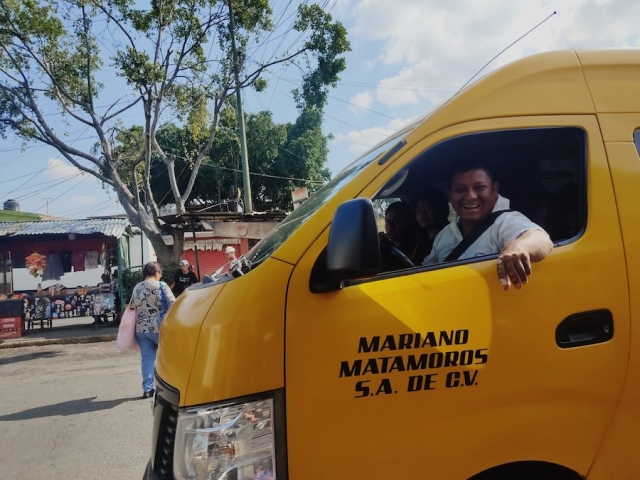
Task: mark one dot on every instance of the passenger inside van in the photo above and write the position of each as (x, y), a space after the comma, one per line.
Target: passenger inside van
(432, 212)
(540, 173)
(401, 230)
(485, 225)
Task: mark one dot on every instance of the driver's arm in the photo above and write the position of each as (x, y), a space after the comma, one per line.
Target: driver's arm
(514, 262)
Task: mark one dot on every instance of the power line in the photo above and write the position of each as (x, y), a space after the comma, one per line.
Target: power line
(87, 208)
(62, 194)
(25, 182)
(274, 176)
(359, 128)
(96, 208)
(43, 169)
(45, 183)
(363, 108)
(394, 86)
(346, 123)
(36, 146)
(266, 41)
(345, 101)
(50, 167)
(37, 192)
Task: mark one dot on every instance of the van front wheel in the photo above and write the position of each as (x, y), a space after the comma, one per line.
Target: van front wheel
(528, 471)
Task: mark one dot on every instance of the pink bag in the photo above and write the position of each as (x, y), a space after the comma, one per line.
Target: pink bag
(126, 339)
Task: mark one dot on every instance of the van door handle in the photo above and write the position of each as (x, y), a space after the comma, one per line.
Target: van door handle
(586, 328)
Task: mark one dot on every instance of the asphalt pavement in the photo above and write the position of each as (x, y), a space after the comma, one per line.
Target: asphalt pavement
(72, 411)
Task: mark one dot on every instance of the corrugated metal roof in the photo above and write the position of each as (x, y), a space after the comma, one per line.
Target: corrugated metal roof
(112, 227)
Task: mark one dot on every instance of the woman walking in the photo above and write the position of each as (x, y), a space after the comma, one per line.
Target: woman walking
(151, 298)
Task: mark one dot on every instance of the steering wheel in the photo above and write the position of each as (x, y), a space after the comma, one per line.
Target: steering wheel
(387, 245)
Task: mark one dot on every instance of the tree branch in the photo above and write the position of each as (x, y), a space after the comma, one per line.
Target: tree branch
(251, 77)
(204, 150)
(43, 127)
(100, 7)
(147, 163)
(84, 28)
(106, 118)
(171, 173)
(70, 112)
(43, 64)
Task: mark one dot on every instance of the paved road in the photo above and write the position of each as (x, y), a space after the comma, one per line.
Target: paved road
(72, 412)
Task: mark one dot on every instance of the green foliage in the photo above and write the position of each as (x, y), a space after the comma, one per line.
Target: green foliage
(297, 150)
(135, 66)
(130, 277)
(175, 61)
(329, 40)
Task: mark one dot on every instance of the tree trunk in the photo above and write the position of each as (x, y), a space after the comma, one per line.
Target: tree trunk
(168, 255)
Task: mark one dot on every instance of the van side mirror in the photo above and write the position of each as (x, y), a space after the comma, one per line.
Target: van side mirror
(353, 251)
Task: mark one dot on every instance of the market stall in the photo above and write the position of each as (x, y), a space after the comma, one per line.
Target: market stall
(64, 268)
(43, 308)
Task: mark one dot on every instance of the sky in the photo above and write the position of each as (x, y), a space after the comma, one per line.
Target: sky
(407, 56)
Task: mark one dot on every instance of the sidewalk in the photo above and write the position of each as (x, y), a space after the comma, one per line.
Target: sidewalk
(65, 330)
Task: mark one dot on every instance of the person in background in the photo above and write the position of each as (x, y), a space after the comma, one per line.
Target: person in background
(183, 278)
(115, 288)
(230, 254)
(401, 227)
(432, 212)
(151, 298)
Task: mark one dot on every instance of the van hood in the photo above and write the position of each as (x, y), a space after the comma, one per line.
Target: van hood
(222, 341)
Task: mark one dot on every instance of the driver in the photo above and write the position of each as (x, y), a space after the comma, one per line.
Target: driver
(401, 228)
(474, 197)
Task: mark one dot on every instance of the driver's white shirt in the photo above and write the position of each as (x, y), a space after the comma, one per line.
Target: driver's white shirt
(506, 227)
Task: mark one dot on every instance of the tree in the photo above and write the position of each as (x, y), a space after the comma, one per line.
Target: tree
(54, 56)
(283, 157)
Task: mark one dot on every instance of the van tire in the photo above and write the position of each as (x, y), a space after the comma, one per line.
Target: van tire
(528, 471)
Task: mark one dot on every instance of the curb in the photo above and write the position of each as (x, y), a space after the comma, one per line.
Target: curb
(108, 337)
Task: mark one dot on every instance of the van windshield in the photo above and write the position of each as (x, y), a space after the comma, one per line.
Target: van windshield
(269, 244)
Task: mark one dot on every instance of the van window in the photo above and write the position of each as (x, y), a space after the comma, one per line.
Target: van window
(279, 235)
(636, 139)
(541, 171)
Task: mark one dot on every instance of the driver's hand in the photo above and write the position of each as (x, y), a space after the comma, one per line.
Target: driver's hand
(514, 266)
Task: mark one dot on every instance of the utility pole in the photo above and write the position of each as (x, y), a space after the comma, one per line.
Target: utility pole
(47, 199)
(244, 154)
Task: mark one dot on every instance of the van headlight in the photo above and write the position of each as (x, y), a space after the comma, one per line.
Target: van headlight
(230, 441)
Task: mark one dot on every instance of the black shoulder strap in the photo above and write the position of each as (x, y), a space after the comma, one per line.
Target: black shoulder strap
(470, 239)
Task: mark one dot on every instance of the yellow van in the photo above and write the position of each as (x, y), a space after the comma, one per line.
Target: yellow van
(313, 362)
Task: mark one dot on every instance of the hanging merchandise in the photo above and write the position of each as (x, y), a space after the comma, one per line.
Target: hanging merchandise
(78, 259)
(53, 270)
(103, 256)
(36, 264)
(91, 260)
(66, 258)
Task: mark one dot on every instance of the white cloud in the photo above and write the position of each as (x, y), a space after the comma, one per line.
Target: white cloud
(442, 44)
(83, 200)
(362, 140)
(362, 99)
(420, 52)
(57, 168)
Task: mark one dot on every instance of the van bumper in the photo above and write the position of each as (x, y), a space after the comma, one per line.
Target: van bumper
(150, 474)
(165, 418)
